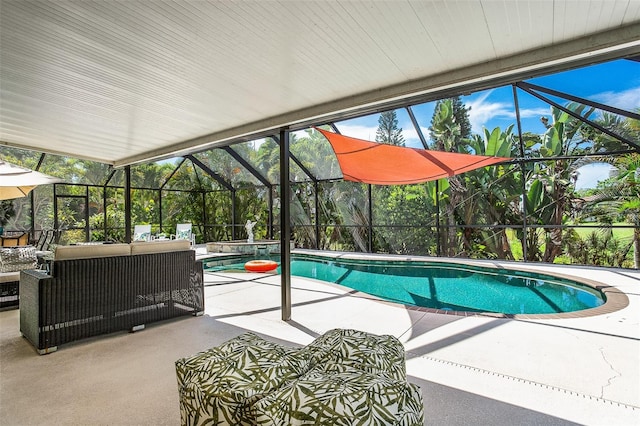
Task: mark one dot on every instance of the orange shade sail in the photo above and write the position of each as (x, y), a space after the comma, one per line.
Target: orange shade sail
(382, 164)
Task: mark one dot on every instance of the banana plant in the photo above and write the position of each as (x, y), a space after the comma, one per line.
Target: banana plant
(551, 184)
(494, 191)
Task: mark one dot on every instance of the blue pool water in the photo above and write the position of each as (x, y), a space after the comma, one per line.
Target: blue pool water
(445, 286)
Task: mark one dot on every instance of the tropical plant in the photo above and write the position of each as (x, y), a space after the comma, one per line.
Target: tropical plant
(405, 219)
(316, 155)
(7, 211)
(495, 195)
(551, 184)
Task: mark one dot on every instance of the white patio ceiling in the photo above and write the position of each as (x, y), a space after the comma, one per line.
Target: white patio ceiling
(126, 81)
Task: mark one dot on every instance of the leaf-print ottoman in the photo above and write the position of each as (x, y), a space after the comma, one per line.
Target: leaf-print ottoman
(218, 386)
(372, 353)
(344, 377)
(340, 395)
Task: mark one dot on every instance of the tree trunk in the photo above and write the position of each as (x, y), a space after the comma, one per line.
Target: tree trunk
(553, 247)
(533, 244)
(450, 233)
(506, 247)
(456, 195)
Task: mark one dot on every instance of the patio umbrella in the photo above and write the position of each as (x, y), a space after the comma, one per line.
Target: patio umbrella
(382, 164)
(16, 182)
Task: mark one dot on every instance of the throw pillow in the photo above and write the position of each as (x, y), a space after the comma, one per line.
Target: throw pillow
(142, 236)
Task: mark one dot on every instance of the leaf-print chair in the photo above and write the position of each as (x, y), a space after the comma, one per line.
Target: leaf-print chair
(344, 377)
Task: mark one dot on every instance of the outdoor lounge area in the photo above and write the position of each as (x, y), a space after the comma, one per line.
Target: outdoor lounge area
(92, 290)
(471, 370)
(314, 212)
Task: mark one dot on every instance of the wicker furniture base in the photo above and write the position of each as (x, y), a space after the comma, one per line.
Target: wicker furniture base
(94, 296)
(344, 377)
(12, 261)
(9, 290)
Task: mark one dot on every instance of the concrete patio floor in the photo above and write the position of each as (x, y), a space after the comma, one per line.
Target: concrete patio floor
(472, 370)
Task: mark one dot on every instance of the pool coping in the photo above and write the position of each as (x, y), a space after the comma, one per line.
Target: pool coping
(615, 299)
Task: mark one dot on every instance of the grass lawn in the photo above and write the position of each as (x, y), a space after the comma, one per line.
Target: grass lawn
(624, 235)
(621, 234)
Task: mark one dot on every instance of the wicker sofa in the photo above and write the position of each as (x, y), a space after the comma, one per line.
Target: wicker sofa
(343, 377)
(98, 289)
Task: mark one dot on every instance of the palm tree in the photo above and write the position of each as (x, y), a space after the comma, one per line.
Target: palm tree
(446, 132)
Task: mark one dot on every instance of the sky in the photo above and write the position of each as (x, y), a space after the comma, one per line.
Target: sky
(615, 83)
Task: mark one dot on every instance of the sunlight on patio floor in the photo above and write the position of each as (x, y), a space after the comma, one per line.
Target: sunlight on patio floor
(472, 370)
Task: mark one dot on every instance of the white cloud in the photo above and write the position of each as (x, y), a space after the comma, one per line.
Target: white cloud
(534, 112)
(628, 99)
(591, 174)
(411, 137)
(481, 111)
(410, 133)
(367, 133)
(257, 143)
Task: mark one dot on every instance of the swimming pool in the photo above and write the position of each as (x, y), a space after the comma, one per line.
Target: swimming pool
(444, 286)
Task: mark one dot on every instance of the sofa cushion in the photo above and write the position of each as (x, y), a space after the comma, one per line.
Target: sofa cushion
(341, 396)
(14, 259)
(220, 384)
(9, 277)
(142, 247)
(91, 251)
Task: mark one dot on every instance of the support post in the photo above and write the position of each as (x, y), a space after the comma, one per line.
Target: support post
(127, 204)
(285, 226)
(233, 214)
(370, 217)
(32, 215)
(438, 246)
(204, 218)
(523, 170)
(87, 228)
(32, 219)
(160, 209)
(270, 214)
(56, 220)
(105, 216)
(317, 215)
